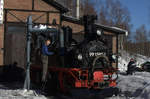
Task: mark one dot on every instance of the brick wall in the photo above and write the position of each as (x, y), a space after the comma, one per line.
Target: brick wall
(1, 43)
(114, 48)
(23, 16)
(54, 16)
(18, 4)
(27, 5)
(76, 27)
(41, 5)
(114, 44)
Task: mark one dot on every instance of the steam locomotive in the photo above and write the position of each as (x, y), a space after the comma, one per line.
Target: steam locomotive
(92, 50)
(85, 64)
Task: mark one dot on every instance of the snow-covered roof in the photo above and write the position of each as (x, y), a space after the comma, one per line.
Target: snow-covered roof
(112, 29)
(126, 32)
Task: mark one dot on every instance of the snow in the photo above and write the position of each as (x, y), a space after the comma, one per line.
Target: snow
(125, 57)
(19, 94)
(123, 61)
(126, 32)
(136, 86)
(14, 90)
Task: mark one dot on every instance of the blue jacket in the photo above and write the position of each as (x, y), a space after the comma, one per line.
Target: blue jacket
(45, 50)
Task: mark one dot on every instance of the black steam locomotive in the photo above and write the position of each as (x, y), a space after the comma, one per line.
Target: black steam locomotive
(87, 63)
(92, 52)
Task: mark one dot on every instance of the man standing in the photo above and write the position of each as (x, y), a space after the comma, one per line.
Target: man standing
(131, 66)
(45, 54)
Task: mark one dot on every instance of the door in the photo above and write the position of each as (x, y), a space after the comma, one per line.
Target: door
(15, 44)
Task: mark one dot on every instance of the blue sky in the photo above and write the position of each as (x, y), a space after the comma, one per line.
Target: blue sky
(139, 11)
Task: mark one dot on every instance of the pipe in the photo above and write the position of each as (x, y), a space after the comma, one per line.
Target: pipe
(78, 9)
(30, 30)
(62, 47)
(37, 30)
(27, 79)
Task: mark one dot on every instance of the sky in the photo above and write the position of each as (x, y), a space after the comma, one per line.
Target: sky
(139, 12)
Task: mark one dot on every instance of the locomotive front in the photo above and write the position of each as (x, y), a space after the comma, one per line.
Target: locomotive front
(94, 55)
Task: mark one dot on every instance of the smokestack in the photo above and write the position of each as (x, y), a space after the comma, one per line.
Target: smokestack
(78, 9)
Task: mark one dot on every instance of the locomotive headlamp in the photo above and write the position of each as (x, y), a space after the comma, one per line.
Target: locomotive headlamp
(80, 57)
(114, 76)
(114, 57)
(99, 32)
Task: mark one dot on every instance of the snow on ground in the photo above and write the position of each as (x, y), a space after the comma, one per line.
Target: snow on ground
(136, 86)
(19, 94)
(15, 90)
(125, 57)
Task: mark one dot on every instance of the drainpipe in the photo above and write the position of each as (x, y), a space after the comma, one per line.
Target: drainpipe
(78, 9)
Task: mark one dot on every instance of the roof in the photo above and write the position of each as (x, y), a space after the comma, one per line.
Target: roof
(115, 30)
(71, 19)
(112, 29)
(64, 9)
(57, 5)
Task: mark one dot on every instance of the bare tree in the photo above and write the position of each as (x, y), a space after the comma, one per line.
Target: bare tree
(141, 39)
(141, 34)
(113, 13)
(86, 6)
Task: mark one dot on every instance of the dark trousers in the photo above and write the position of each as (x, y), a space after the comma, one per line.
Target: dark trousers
(45, 67)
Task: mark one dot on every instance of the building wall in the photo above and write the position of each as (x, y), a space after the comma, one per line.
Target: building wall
(18, 4)
(114, 41)
(27, 5)
(114, 48)
(15, 40)
(41, 5)
(76, 27)
(55, 16)
(1, 43)
(22, 16)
